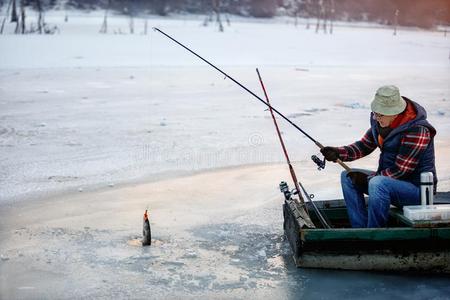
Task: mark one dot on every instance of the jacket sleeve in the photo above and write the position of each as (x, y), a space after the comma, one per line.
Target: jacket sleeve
(412, 145)
(358, 149)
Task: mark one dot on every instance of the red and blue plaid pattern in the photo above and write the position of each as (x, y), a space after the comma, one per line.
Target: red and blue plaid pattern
(412, 144)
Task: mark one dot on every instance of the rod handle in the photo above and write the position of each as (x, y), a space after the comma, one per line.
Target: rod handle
(344, 165)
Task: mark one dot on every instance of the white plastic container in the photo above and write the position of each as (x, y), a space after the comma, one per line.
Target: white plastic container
(439, 212)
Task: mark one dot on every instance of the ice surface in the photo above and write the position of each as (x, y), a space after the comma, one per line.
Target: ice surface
(84, 112)
(209, 241)
(245, 43)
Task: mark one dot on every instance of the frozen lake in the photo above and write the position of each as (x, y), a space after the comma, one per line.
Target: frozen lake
(215, 235)
(94, 128)
(83, 110)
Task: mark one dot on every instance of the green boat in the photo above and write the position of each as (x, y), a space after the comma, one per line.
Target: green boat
(418, 246)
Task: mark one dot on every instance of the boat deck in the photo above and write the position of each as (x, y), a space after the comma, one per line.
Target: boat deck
(336, 213)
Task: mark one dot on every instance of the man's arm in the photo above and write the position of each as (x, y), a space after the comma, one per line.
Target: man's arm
(413, 144)
(359, 149)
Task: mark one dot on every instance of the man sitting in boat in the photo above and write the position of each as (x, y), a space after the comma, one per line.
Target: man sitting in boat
(405, 138)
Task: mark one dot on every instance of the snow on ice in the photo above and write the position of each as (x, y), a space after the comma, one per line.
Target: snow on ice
(110, 122)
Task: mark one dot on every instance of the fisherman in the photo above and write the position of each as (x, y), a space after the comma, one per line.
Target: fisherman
(400, 129)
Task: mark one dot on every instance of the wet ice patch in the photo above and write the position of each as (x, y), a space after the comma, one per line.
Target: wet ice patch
(307, 112)
(26, 288)
(73, 144)
(298, 115)
(314, 110)
(4, 257)
(262, 253)
(58, 178)
(99, 85)
(190, 253)
(250, 247)
(354, 105)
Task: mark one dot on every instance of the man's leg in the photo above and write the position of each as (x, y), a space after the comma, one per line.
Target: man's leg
(354, 199)
(384, 191)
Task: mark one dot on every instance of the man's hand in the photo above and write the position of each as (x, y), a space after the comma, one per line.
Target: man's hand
(359, 179)
(330, 153)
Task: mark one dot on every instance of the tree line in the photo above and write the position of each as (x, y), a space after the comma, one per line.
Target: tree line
(422, 13)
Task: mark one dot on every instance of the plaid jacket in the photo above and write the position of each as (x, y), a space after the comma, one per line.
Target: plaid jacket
(412, 144)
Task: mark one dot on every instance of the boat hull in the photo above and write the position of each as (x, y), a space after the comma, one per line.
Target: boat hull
(399, 247)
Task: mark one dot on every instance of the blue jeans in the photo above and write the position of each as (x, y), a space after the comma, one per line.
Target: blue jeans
(383, 191)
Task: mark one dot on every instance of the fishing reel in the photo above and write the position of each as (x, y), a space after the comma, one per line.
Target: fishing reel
(284, 188)
(320, 163)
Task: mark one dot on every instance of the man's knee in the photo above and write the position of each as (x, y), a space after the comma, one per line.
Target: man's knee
(379, 184)
(377, 181)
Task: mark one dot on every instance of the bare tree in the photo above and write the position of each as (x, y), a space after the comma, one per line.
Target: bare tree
(332, 11)
(6, 16)
(145, 26)
(17, 30)
(320, 13)
(216, 9)
(41, 22)
(296, 8)
(104, 27)
(396, 21)
(325, 10)
(131, 23)
(22, 17)
(324, 15)
(132, 12)
(208, 18)
(20, 24)
(227, 19)
(307, 9)
(439, 17)
(14, 17)
(225, 6)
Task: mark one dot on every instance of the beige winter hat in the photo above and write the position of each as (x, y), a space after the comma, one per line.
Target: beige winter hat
(388, 101)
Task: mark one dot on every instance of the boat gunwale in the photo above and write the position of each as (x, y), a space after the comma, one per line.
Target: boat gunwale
(375, 234)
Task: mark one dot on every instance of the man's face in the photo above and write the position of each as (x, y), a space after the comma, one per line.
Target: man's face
(383, 120)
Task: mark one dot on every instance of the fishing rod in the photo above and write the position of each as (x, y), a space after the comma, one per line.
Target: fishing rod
(347, 168)
(319, 215)
(291, 169)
